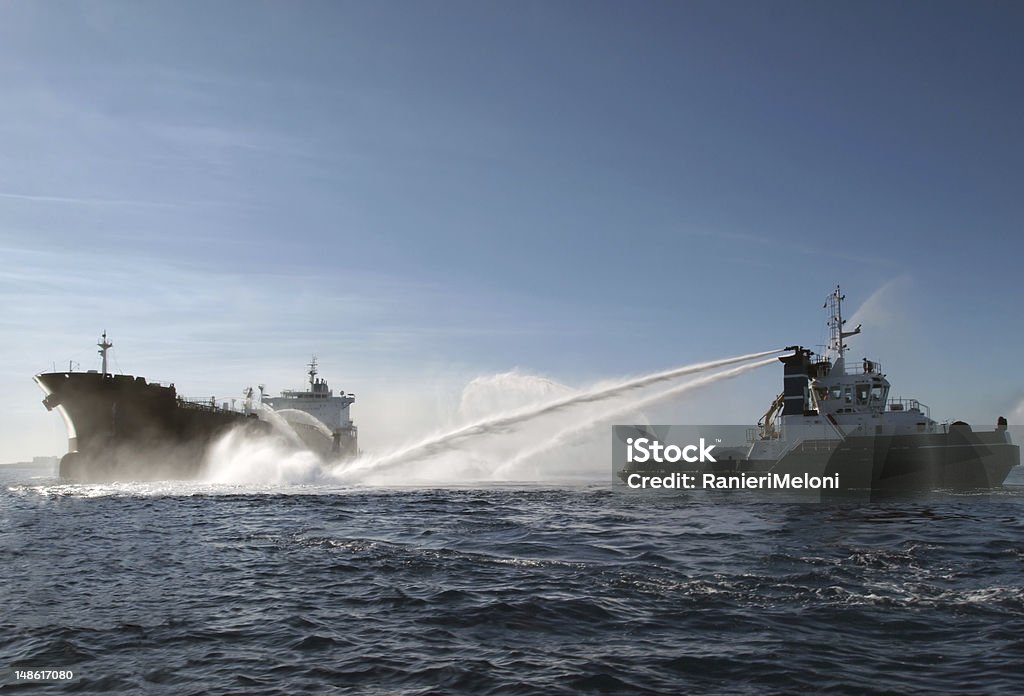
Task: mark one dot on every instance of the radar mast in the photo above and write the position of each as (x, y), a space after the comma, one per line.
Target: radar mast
(104, 345)
(312, 374)
(836, 322)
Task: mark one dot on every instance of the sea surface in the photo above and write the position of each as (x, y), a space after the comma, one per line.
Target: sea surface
(185, 588)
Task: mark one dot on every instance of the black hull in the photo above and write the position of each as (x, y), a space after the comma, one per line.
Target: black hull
(958, 460)
(123, 428)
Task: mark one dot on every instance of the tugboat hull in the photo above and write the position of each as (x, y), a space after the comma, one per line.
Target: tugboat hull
(957, 460)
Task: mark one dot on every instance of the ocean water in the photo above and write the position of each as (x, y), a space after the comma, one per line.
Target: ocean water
(190, 588)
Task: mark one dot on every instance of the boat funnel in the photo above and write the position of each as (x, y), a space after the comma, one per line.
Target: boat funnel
(796, 371)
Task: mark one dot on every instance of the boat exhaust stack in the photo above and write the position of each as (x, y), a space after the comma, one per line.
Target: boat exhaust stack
(796, 372)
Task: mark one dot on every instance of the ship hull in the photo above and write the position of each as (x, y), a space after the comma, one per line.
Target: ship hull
(122, 428)
(957, 460)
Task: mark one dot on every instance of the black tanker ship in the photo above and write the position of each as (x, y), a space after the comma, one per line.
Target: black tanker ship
(121, 427)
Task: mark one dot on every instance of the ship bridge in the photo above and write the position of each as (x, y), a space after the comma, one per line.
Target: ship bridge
(859, 388)
(835, 398)
(317, 413)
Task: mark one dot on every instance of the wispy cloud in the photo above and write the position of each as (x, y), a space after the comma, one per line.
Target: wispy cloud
(79, 200)
(210, 314)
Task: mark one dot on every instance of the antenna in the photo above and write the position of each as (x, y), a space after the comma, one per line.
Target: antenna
(312, 373)
(836, 322)
(104, 345)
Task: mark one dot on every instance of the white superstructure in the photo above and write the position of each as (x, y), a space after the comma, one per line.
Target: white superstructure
(320, 418)
(825, 399)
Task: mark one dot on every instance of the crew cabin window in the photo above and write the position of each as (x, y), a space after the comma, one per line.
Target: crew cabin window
(835, 392)
(862, 393)
(877, 394)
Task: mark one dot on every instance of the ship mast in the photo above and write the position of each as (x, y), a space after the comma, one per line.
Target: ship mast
(312, 373)
(835, 323)
(104, 345)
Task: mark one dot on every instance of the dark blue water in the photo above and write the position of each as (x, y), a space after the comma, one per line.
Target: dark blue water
(518, 590)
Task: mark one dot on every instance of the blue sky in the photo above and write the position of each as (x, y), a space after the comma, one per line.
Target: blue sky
(422, 193)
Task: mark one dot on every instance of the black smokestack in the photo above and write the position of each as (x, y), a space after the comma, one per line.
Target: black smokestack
(796, 370)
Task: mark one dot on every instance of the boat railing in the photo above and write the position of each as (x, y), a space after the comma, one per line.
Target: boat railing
(897, 405)
(201, 404)
(863, 367)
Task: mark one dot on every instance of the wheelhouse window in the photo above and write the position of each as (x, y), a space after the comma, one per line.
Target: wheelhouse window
(862, 393)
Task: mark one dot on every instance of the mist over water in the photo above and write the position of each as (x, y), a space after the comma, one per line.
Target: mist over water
(273, 459)
(280, 426)
(292, 415)
(574, 431)
(516, 428)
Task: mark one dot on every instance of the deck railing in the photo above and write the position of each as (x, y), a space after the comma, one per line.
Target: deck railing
(908, 405)
(863, 367)
(202, 404)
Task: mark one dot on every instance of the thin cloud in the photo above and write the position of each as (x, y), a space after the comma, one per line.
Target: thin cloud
(79, 200)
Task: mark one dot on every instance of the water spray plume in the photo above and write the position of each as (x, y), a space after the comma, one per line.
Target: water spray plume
(446, 441)
(240, 459)
(292, 416)
(567, 434)
(279, 424)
